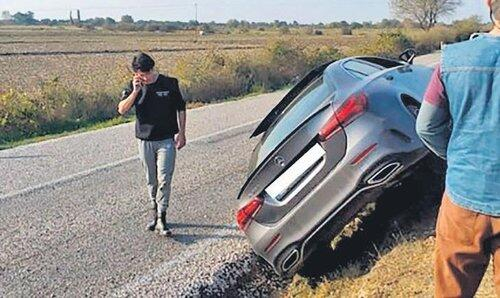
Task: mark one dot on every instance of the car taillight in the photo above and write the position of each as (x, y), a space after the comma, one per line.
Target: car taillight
(354, 106)
(245, 215)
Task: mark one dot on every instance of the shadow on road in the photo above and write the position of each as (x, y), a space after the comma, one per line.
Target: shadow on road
(185, 238)
(217, 232)
(209, 226)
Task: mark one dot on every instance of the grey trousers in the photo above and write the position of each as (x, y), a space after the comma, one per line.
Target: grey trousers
(158, 159)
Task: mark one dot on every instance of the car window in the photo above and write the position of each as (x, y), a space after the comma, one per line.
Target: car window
(382, 62)
(306, 103)
(360, 69)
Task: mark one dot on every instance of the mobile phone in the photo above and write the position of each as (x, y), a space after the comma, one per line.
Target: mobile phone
(141, 80)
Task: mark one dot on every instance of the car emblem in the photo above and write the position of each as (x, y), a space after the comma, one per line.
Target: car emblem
(279, 161)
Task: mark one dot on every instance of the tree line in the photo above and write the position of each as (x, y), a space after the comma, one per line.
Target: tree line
(423, 14)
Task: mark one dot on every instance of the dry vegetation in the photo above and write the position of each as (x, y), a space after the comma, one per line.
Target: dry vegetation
(387, 250)
(57, 79)
(63, 78)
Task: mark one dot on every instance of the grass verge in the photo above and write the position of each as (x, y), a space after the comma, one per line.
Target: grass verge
(386, 251)
(80, 127)
(65, 131)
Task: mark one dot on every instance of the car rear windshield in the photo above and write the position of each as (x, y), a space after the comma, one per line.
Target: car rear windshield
(306, 103)
(361, 69)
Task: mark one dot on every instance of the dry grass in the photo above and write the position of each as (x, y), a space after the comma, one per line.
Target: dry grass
(52, 91)
(26, 72)
(393, 255)
(57, 78)
(405, 271)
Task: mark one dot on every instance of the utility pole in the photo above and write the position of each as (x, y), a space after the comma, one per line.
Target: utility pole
(196, 12)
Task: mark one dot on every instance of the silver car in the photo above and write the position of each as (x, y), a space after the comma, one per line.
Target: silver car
(340, 137)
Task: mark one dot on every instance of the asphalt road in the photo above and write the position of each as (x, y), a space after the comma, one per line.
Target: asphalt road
(73, 211)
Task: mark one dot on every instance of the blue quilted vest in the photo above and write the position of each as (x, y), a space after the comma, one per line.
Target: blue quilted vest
(471, 76)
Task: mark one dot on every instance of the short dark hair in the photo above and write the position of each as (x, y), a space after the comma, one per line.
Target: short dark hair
(142, 62)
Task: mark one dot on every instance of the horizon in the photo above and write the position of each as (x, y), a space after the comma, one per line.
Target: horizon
(221, 11)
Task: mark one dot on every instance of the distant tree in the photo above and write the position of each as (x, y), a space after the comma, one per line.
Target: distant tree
(206, 28)
(46, 22)
(233, 23)
(109, 21)
(425, 12)
(24, 18)
(167, 28)
(6, 15)
(409, 23)
(152, 27)
(334, 25)
(96, 22)
(279, 24)
(127, 19)
(367, 24)
(356, 25)
(245, 24)
(392, 23)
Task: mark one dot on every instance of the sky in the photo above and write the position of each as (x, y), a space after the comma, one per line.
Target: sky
(304, 11)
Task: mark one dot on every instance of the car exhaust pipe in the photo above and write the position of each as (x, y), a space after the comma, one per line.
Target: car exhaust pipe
(291, 260)
(385, 173)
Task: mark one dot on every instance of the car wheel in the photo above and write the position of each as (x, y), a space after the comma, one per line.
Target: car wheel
(320, 262)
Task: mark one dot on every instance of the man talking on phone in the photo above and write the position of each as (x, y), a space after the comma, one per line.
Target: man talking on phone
(160, 129)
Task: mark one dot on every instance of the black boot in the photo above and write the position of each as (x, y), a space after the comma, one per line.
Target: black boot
(154, 218)
(164, 230)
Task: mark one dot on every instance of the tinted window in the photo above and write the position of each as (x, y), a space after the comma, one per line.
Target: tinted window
(360, 69)
(306, 103)
(385, 63)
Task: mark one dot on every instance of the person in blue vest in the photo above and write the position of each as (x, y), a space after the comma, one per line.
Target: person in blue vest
(460, 121)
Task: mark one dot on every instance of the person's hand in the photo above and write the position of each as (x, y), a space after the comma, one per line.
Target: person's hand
(180, 140)
(137, 83)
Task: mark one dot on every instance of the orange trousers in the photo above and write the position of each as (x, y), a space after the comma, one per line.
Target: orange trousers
(465, 241)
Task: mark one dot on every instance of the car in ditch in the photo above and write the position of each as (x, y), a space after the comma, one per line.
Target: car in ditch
(336, 141)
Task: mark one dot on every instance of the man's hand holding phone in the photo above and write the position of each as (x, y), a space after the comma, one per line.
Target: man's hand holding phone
(138, 83)
(126, 104)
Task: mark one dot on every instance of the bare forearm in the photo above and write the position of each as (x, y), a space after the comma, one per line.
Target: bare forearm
(125, 105)
(182, 122)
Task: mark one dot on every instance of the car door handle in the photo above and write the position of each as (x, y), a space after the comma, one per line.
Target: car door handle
(389, 77)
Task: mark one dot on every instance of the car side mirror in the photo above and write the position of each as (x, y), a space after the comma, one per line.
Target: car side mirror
(408, 56)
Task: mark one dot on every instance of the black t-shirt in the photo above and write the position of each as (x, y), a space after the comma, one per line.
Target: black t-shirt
(156, 111)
